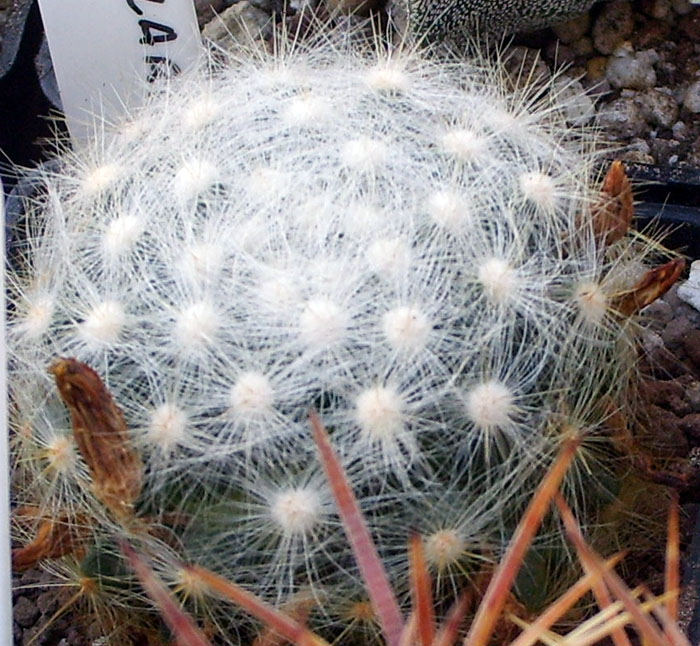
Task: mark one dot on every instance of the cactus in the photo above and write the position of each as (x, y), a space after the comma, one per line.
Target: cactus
(403, 244)
(421, 626)
(436, 20)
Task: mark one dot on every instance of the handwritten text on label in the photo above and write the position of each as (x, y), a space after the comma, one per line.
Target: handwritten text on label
(153, 33)
(104, 51)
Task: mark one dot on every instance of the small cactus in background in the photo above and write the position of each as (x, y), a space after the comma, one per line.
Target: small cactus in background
(399, 243)
(437, 20)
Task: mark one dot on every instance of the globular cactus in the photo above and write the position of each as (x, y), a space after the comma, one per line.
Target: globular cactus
(400, 243)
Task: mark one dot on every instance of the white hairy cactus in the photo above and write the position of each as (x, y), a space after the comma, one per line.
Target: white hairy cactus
(400, 243)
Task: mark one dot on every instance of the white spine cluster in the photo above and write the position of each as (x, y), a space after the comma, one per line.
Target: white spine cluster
(401, 245)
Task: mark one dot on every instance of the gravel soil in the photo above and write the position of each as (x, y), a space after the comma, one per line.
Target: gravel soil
(641, 62)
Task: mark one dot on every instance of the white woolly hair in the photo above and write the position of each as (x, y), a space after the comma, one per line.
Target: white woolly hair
(278, 521)
(455, 518)
(45, 450)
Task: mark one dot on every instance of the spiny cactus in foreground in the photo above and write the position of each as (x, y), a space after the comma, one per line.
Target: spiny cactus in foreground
(402, 243)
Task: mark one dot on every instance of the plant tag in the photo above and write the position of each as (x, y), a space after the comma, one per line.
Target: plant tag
(106, 52)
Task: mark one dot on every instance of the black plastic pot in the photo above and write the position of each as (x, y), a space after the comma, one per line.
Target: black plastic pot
(23, 101)
(671, 198)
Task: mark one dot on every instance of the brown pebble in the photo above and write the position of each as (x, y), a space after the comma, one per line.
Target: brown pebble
(673, 401)
(692, 395)
(652, 33)
(667, 432)
(208, 10)
(675, 332)
(694, 155)
(680, 406)
(659, 391)
(75, 638)
(685, 51)
(690, 25)
(691, 344)
(355, 7)
(559, 54)
(25, 612)
(47, 602)
(572, 30)
(583, 46)
(595, 68)
(659, 361)
(614, 24)
(659, 313)
(637, 156)
(656, 8)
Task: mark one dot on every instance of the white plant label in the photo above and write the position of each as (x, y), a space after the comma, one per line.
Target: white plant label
(106, 52)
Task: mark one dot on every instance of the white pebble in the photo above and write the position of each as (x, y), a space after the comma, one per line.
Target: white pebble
(689, 291)
(627, 69)
(691, 98)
